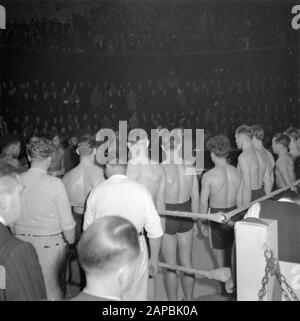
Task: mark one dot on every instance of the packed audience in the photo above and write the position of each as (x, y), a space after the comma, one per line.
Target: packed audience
(159, 26)
(217, 102)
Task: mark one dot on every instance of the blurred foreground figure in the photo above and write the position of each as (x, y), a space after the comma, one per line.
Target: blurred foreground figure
(109, 253)
(24, 278)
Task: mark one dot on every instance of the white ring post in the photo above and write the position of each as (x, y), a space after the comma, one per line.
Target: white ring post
(251, 239)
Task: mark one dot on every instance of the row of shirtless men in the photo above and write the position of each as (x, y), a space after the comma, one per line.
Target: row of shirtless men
(223, 188)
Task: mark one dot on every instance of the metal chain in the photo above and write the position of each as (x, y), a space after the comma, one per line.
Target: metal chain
(272, 268)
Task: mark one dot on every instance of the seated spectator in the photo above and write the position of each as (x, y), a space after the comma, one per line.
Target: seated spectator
(109, 253)
(46, 220)
(24, 278)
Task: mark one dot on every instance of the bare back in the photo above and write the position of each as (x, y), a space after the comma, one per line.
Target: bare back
(254, 162)
(224, 183)
(179, 183)
(284, 171)
(80, 181)
(151, 175)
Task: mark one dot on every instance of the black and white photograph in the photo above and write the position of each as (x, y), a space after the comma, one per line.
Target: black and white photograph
(149, 153)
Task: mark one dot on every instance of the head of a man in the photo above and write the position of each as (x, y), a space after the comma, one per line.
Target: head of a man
(109, 249)
(10, 194)
(219, 147)
(10, 146)
(86, 147)
(171, 141)
(138, 143)
(280, 143)
(258, 134)
(243, 136)
(115, 165)
(39, 151)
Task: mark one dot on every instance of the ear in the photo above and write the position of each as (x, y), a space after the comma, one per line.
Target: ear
(77, 151)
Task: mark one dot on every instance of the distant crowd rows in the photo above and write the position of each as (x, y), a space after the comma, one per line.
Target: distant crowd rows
(158, 26)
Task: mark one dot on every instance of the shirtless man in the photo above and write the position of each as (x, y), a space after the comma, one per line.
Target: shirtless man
(293, 134)
(182, 194)
(253, 167)
(258, 136)
(149, 173)
(82, 179)
(57, 160)
(284, 171)
(219, 188)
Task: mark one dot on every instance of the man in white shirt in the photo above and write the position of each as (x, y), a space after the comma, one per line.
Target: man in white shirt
(120, 196)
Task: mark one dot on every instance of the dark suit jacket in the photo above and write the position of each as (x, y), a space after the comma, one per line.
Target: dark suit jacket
(288, 217)
(24, 278)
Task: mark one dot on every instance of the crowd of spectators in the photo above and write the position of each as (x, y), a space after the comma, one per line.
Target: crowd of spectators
(216, 102)
(159, 26)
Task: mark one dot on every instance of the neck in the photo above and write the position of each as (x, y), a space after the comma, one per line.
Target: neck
(103, 286)
(39, 165)
(247, 145)
(221, 161)
(141, 154)
(283, 152)
(173, 156)
(258, 144)
(86, 160)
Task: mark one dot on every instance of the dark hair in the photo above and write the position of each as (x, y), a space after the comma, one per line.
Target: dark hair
(292, 132)
(8, 140)
(244, 129)
(219, 145)
(282, 139)
(86, 145)
(39, 147)
(258, 132)
(108, 243)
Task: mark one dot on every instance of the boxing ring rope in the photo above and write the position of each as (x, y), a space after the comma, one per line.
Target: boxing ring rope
(221, 274)
(224, 217)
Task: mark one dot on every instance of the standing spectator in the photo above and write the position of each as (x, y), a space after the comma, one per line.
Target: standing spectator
(132, 201)
(24, 278)
(47, 220)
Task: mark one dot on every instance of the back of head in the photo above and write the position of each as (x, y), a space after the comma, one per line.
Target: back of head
(282, 139)
(258, 132)
(171, 140)
(292, 133)
(244, 130)
(219, 146)
(115, 165)
(107, 245)
(86, 146)
(39, 148)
